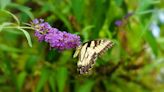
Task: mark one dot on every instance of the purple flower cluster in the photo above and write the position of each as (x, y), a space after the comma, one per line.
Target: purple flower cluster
(57, 39)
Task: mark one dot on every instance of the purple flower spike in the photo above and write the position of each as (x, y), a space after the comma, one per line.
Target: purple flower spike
(62, 40)
(56, 39)
(41, 28)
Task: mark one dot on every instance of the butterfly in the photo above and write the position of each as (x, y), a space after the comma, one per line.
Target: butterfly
(88, 52)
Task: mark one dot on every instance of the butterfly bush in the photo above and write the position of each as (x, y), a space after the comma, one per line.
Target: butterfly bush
(60, 40)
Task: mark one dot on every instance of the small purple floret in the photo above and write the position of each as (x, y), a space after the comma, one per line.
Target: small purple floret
(56, 39)
(35, 21)
(118, 23)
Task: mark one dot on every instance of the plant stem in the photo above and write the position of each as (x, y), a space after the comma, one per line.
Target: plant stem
(20, 27)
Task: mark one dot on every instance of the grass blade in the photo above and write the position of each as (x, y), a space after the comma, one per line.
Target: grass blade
(43, 78)
(62, 75)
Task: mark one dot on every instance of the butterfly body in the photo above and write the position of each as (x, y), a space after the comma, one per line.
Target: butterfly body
(88, 53)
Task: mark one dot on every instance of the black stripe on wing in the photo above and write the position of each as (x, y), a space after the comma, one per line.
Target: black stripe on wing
(85, 69)
(108, 46)
(99, 47)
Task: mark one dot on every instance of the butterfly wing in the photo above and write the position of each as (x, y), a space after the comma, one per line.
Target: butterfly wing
(102, 46)
(86, 62)
(89, 52)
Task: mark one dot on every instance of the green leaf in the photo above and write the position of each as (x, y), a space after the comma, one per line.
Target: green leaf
(147, 35)
(66, 55)
(30, 63)
(62, 75)
(24, 9)
(27, 36)
(152, 42)
(86, 87)
(52, 83)
(9, 49)
(78, 8)
(53, 8)
(4, 25)
(43, 78)
(9, 72)
(119, 2)
(144, 4)
(20, 80)
(12, 31)
(15, 17)
(101, 7)
(86, 31)
(4, 3)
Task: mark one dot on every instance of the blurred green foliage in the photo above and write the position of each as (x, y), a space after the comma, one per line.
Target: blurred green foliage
(135, 64)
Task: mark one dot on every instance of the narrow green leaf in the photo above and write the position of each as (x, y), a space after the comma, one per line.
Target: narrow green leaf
(101, 7)
(147, 35)
(53, 8)
(52, 83)
(119, 2)
(27, 36)
(4, 3)
(86, 31)
(9, 72)
(66, 55)
(23, 9)
(12, 31)
(86, 87)
(20, 80)
(152, 42)
(144, 4)
(9, 49)
(15, 17)
(78, 7)
(43, 78)
(62, 75)
(31, 62)
(5, 24)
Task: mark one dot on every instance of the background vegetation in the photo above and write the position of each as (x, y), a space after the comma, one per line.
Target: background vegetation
(134, 64)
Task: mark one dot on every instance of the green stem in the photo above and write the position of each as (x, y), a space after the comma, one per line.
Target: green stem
(21, 27)
(145, 12)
